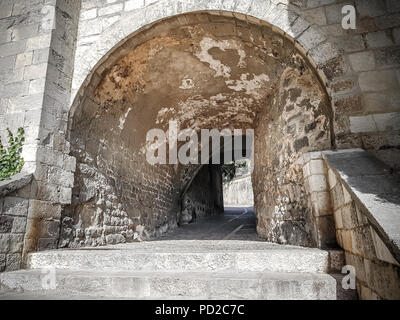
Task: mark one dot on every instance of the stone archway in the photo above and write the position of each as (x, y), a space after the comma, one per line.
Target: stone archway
(204, 71)
(278, 15)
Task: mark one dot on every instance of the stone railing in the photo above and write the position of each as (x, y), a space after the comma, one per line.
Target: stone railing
(14, 207)
(354, 199)
(366, 206)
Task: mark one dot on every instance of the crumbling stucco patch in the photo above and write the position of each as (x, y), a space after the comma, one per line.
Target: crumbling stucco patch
(221, 69)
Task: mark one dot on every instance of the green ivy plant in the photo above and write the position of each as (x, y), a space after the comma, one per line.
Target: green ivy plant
(11, 161)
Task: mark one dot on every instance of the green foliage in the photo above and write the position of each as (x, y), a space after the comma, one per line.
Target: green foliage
(11, 161)
(229, 170)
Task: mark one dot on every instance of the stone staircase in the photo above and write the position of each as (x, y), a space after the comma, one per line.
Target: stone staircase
(178, 269)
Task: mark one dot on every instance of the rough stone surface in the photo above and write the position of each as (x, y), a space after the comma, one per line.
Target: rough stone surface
(367, 227)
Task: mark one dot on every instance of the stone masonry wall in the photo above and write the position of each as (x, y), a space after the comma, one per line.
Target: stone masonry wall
(340, 219)
(37, 44)
(239, 192)
(205, 191)
(53, 177)
(14, 210)
(299, 121)
(377, 271)
(318, 198)
(25, 36)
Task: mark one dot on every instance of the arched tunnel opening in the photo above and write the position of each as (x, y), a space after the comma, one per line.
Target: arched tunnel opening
(202, 71)
(219, 198)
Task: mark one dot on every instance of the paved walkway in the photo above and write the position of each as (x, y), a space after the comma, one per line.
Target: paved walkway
(234, 224)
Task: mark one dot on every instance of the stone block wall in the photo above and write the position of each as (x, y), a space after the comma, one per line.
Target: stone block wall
(37, 45)
(300, 120)
(54, 174)
(239, 192)
(96, 16)
(14, 210)
(205, 191)
(377, 271)
(319, 199)
(365, 85)
(341, 218)
(25, 36)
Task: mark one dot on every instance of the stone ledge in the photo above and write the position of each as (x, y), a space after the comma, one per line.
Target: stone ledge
(355, 167)
(14, 183)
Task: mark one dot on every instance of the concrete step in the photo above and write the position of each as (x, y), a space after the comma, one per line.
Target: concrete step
(169, 285)
(240, 256)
